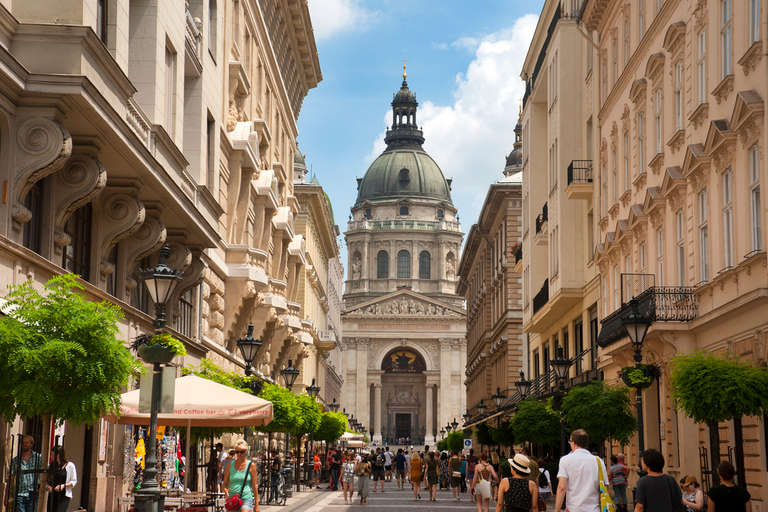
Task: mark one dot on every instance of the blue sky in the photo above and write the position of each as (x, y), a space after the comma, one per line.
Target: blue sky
(464, 60)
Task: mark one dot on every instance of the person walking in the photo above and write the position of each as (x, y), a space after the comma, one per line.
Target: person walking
(26, 498)
(472, 461)
(693, 496)
(618, 474)
(482, 483)
(463, 470)
(431, 476)
(348, 477)
(363, 472)
(334, 464)
(388, 456)
(445, 475)
(316, 470)
(728, 497)
(545, 491)
(578, 476)
(416, 476)
(239, 474)
(656, 492)
(454, 466)
(534, 467)
(63, 481)
(519, 493)
(379, 463)
(400, 461)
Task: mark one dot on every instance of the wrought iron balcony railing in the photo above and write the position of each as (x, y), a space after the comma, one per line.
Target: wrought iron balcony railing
(541, 219)
(580, 171)
(541, 298)
(656, 303)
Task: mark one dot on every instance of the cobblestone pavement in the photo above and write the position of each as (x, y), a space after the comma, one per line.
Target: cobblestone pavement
(324, 500)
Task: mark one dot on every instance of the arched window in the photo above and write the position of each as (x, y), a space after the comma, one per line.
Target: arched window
(382, 265)
(403, 264)
(424, 268)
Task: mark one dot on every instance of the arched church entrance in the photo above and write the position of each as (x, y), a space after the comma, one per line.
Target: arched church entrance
(403, 391)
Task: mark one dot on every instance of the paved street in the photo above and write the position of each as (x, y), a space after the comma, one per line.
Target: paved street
(392, 499)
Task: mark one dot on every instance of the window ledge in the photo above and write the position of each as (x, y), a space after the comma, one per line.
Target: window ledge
(723, 89)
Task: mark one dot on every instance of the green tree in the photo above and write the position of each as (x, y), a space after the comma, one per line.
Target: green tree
(502, 435)
(536, 423)
(454, 441)
(711, 389)
(483, 435)
(618, 421)
(308, 417)
(284, 411)
(332, 426)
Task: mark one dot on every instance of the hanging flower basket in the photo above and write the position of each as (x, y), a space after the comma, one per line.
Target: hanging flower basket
(158, 348)
(156, 354)
(639, 378)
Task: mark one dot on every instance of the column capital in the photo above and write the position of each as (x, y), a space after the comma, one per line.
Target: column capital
(377, 385)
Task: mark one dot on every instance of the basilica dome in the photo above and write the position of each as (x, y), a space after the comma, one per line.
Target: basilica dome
(404, 169)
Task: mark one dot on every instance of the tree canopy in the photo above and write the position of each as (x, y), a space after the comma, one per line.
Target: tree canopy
(535, 423)
(483, 435)
(710, 388)
(60, 354)
(308, 413)
(454, 441)
(284, 409)
(617, 420)
(332, 426)
(502, 434)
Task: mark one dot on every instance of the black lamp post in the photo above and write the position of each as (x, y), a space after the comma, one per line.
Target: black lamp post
(312, 390)
(249, 348)
(523, 386)
(637, 326)
(498, 397)
(161, 281)
(454, 424)
(334, 406)
(442, 433)
(481, 407)
(560, 365)
(448, 428)
(289, 377)
(467, 417)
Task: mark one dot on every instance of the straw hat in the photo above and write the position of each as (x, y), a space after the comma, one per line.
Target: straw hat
(690, 479)
(520, 463)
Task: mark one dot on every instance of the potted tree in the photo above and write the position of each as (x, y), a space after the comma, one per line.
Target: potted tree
(158, 348)
(639, 378)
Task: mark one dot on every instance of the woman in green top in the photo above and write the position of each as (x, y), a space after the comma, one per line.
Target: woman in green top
(238, 471)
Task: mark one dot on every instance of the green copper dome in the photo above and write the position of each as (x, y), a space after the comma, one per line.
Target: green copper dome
(404, 169)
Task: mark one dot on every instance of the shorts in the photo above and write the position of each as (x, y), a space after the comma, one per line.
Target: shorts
(247, 504)
(378, 474)
(348, 478)
(315, 473)
(400, 473)
(388, 468)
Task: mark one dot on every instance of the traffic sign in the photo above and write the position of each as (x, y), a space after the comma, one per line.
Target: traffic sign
(467, 444)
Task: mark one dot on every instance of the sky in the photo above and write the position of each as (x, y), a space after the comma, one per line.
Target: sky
(463, 63)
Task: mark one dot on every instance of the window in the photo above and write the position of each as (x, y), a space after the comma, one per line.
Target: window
(554, 255)
(605, 296)
(658, 120)
(615, 50)
(403, 265)
(382, 265)
(728, 218)
(77, 255)
(32, 236)
(605, 191)
(658, 5)
(210, 152)
(680, 231)
(184, 321)
(236, 22)
(593, 330)
(440, 214)
(701, 66)
(604, 73)
(660, 255)
(170, 88)
(616, 288)
(628, 263)
(403, 210)
(578, 345)
(111, 278)
(754, 194)
(615, 177)
(424, 265)
(213, 21)
(641, 142)
(367, 213)
(101, 20)
(641, 18)
(626, 41)
(703, 237)
(754, 21)
(536, 365)
(627, 179)
(725, 37)
(679, 96)
(641, 258)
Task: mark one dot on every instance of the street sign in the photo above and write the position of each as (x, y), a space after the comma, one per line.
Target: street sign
(467, 444)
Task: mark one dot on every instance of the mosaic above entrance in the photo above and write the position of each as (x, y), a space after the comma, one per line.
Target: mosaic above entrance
(403, 361)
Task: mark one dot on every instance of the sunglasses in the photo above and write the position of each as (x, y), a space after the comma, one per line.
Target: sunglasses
(239, 451)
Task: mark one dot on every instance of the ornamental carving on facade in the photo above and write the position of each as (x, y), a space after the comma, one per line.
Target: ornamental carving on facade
(750, 59)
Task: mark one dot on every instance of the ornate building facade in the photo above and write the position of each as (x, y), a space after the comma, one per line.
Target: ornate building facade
(403, 343)
(497, 349)
(125, 126)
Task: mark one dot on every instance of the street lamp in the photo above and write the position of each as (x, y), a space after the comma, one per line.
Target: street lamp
(560, 366)
(467, 417)
(481, 407)
(448, 428)
(334, 406)
(637, 326)
(454, 424)
(442, 433)
(249, 348)
(498, 397)
(161, 281)
(289, 377)
(312, 390)
(523, 386)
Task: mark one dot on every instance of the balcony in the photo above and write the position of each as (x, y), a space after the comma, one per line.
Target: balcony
(549, 308)
(517, 252)
(657, 303)
(393, 225)
(541, 298)
(579, 180)
(193, 45)
(541, 226)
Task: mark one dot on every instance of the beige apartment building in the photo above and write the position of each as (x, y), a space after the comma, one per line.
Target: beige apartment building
(561, 292)
(497, 349)
(128, 125)
(680, 103)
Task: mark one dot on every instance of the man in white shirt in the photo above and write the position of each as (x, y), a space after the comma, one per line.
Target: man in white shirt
(388, 456)
(578, 477)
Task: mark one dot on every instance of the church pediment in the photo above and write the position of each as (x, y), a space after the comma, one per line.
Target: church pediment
(404, 303)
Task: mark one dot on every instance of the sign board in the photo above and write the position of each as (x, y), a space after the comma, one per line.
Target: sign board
(168, 375)
(467, 444)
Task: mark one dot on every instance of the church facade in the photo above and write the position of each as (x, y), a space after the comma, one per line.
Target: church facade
(404, 326)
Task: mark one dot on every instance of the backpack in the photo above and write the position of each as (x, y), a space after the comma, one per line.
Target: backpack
(543, 479)
(379, 461)
(471, 468)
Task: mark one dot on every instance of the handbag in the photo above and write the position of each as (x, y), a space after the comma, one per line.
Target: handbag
(606, 503)
(456, 474)
(234, 502)
(541, 504)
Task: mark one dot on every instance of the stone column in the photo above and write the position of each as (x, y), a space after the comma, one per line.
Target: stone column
(445, 384)
(362, 391)
(429, 420)
(377, 412)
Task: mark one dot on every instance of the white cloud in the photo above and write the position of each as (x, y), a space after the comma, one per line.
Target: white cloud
(471, 138)
(332, 17)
